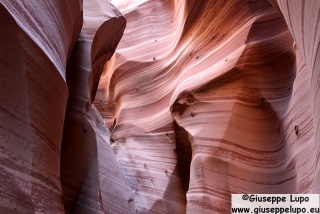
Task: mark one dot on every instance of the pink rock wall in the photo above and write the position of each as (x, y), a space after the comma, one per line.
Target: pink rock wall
(162, 106)
(92, 179)
(302, 18)
(36, 42)
(42, 169)
(225, 80)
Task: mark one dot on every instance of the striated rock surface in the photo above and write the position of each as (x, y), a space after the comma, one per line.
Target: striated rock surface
(43, 170)
(203, 98)
(159, 106)
(302, 18)
(36, 42)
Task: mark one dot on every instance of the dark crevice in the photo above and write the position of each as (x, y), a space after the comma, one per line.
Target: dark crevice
(184, 155)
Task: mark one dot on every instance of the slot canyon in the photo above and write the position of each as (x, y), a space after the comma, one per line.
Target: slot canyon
(157, 106)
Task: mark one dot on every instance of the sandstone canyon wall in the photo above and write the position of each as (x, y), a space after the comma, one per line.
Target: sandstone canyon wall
(156, 106)
(36, 42)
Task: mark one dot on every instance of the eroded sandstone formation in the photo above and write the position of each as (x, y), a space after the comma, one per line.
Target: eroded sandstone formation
(36, 42)
(156, 106)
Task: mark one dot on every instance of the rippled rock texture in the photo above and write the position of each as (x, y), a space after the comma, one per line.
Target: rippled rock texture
(156, 106)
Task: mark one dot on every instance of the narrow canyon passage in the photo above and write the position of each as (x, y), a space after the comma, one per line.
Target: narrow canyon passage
(156, 106)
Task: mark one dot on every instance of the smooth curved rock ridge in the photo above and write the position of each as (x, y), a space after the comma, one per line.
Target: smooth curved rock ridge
(202, 99)
(92, 179)
(33, 100)
(53, 25)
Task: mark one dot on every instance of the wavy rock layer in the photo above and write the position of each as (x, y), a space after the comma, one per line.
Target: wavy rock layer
(200, 100)
(203, 97)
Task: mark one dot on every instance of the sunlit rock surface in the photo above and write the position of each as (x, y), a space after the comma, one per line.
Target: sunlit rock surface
(203, 98)
(156, 106)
